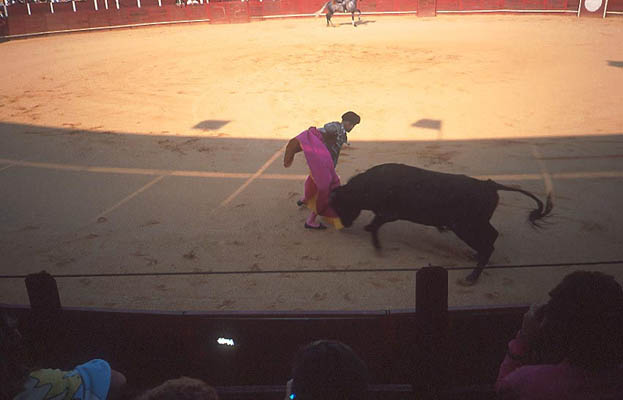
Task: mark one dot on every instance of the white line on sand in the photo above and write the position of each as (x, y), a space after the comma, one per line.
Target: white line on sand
(128, 198)
(549, 187)
(125, 171)
(6, 167)
(251, 179)
(209, 174)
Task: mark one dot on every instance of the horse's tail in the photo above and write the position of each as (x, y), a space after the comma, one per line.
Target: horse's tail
(317, 13)
(536, 214)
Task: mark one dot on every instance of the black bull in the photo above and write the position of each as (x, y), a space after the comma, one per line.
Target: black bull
(458, 203)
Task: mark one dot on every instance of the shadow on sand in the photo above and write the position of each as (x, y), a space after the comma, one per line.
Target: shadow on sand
(357, 23)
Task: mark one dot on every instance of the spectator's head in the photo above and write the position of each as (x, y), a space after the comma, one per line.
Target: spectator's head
(328, 370)
(583, 319)
(181, 389)
(349, 120)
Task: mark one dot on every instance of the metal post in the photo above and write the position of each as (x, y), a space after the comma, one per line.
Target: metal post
(95, 4)
(117, 2)
(605, 9)
(51, 7)
(73, 5)
(579, 7)
(45, 314)
(431, 313)
(6, 10)
(138, 3)
(106, 4)
(43, 292)
(28, 7)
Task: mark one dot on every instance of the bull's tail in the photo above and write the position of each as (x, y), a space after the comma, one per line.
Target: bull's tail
(317, 13)
(540, 212)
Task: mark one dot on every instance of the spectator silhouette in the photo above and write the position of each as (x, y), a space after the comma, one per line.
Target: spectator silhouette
(22, 380)
(571, 347)
(327, 370)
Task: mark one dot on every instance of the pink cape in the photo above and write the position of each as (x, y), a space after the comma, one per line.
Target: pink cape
(322, 178)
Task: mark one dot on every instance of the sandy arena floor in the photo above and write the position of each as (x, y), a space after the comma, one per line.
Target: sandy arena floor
(159, 149)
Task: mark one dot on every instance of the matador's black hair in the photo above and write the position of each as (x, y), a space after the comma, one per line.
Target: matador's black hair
(351, 117)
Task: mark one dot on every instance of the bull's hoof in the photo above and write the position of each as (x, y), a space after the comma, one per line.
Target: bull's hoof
(470, 280)
(465, 282)
(472, 257)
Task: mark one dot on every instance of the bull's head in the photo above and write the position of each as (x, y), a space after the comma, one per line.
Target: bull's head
(344, 202)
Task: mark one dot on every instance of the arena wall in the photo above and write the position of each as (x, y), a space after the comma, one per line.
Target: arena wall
(44, 18)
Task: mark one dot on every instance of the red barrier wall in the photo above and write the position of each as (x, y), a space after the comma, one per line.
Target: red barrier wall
(4, 28)
(229, 11)
(42, 20)
(262, 8)
(615, 5)
(474, 5)
(388, 5)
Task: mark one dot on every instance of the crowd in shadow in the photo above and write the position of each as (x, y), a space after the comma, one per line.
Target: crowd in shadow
(568, 348)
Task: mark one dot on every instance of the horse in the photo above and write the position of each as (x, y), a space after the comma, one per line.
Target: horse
(346, 6)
